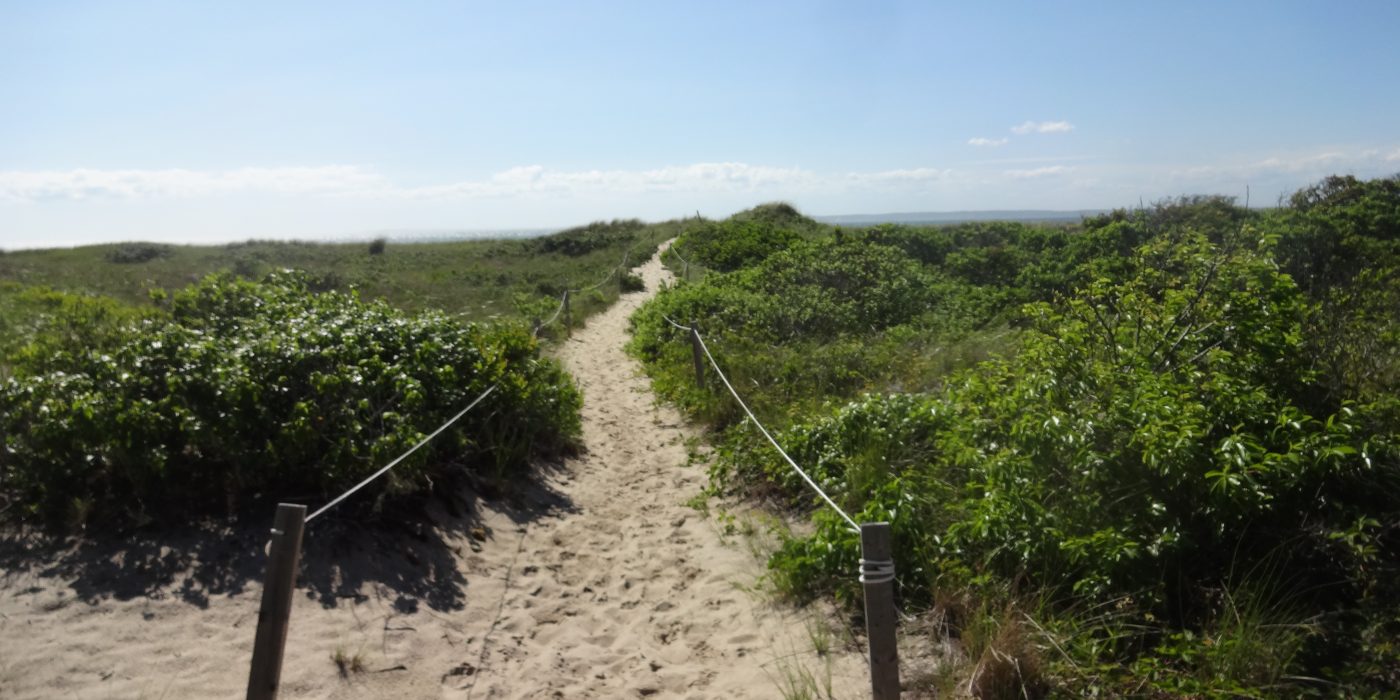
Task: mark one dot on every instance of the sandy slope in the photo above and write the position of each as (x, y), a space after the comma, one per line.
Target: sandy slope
(599, 582)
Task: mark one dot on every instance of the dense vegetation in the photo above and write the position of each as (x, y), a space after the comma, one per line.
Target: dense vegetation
(1177, 475)
(478, 279)
(267, 390)
(249, 386)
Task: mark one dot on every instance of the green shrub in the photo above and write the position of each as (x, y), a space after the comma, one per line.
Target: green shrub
(629, 282)
(40, 327)
(130, 253)
(821, 320)
(377, 246)
(1152, 438)
(728, 245)
(267, 390)
(810, 291)
(582, 240)
(1180, 466)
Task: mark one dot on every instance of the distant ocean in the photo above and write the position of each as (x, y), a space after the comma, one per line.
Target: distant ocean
(919, 217)
(435, 235)
(959, 217)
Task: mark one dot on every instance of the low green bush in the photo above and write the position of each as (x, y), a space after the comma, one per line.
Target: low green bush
(1155, 440)
(586, 239)
(265, 391)
(728, 245)
(629, 282)
(39, 326)
(1165, 463)
(131, 253)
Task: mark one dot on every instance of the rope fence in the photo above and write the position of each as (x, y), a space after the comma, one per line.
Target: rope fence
(687, 329)
(563, 307)
(877, 569)
(685, 269)
(289, 525)
(403, 456)
(805, 476)
(557, 311)
(612, 272)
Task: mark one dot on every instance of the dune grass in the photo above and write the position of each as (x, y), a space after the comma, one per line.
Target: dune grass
(480, 280)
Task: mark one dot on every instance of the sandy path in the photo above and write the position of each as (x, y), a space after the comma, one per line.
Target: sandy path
(636, 594)
(602, 583)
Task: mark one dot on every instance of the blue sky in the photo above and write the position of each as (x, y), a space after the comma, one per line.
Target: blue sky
(195, 121)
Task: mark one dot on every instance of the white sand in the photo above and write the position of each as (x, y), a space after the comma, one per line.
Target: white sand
(601, 583)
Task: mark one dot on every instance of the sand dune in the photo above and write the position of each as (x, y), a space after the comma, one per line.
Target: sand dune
(598, 581)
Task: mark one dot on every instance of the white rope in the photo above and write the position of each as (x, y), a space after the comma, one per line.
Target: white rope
(677, 325)
(619, 266)
(876, 571)
(677, 253)
(401, 457)
(589, 289)
(768, 435)
(557, 311)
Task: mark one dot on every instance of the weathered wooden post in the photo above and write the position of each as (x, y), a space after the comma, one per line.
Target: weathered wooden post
(877, 579)
(698, 355)
(278, 584)
(568, 316)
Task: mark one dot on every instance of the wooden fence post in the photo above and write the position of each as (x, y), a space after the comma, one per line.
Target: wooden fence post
(568, 316)
(877, 579)
(697, 354)
(278, 584)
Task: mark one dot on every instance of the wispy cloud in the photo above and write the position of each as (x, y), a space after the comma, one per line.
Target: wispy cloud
(86, 183)
(522, 181)
(895, 177)
(1032, 159)
(1031, 127)
(1302, 166)
(726, 181)
(983, 141)
(537, 179)
(1047, 171)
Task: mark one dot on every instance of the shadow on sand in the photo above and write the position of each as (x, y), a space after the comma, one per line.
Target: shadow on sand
(413, 556)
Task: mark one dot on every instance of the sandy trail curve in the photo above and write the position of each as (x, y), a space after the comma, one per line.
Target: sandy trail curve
(601, 582)
(636, 594)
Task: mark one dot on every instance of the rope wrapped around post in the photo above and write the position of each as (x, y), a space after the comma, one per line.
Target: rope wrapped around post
(877, 570)
(877, 582)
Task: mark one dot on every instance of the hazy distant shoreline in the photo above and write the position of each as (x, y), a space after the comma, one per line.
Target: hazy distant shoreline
(434, 236)
(921, 217)
(447, 235)
(959, 217)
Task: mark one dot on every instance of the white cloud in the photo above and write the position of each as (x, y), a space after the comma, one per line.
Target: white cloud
(1030, 127)
(69, 207)
(894, 177)
(87, 183)
(1298, 167)
(981, 141)
(534, 181)
(1047, 171)
(1296, 164)
(698, 177)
